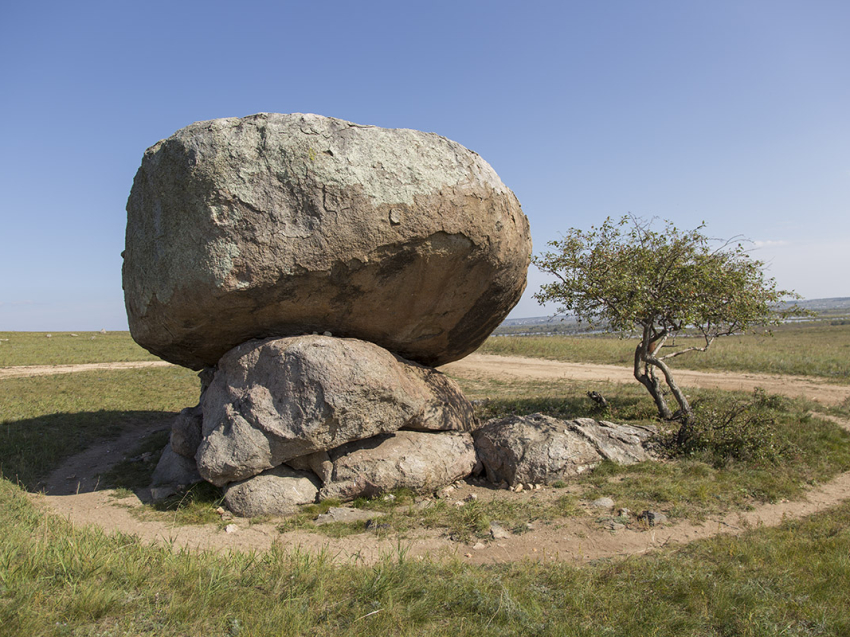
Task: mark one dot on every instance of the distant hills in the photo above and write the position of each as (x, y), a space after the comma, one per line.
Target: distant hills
(821, 305)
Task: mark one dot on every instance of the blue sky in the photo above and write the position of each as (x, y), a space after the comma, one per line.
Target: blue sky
(732, 113)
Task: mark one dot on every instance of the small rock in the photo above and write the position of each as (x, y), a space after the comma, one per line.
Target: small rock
(445, 492)
(345, 514)
(389, 498)
(624, 513)
(478, 546)
(220, 510)
(467, 554)
(231, 528)
(603, 503)
(653, 518)
(518, 488)
(48, 335)
(326, 334)
(458, 503)
(472, 497)
(372, 525)
(615, 526)
(424, 504)
(497, 532)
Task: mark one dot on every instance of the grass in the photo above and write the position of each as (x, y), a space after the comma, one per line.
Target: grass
(402, 514)
(814, 450)
(808, 349)
(64, 348)
(45, 419)
(58, 580)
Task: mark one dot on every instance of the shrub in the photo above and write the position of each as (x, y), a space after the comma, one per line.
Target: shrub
(723, 430)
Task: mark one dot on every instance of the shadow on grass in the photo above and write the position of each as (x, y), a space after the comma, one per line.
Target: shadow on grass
(31, 449)
(620, 407)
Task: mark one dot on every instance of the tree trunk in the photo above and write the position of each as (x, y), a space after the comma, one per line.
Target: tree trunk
(684, 405)
(646, 378)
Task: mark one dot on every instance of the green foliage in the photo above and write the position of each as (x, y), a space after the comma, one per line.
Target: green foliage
(630, 277)
(726, 430)
(627, 276)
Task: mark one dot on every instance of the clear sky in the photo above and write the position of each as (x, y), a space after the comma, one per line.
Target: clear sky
(733, 113)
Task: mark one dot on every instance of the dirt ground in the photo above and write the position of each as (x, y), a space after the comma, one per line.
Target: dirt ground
(72, 490)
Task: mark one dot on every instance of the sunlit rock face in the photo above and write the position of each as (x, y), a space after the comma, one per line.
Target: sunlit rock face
(279, 225)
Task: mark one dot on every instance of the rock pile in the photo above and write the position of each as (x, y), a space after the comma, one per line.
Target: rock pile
(316, 270)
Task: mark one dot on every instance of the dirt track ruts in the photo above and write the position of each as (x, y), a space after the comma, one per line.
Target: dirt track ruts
(492, 366)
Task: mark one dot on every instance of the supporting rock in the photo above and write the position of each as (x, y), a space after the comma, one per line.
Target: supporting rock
(279, 399)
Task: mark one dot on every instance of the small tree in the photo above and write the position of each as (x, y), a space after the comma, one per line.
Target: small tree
(629, 277)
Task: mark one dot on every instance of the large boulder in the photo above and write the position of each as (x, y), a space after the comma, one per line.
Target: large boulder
(277, 225)
(277, 399)
(419, 461)
(542, 449)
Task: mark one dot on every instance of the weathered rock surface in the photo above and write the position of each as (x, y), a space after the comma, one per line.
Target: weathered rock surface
(275, 492)
(278, 399)
(618, 443)
(174, 470)
(277, 225)
(186, 432)
(541, 449)
(419, 461)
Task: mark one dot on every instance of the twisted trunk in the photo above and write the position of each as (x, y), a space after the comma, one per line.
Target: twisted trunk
(645, 364)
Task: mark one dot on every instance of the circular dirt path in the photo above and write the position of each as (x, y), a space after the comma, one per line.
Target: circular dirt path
(72, 490)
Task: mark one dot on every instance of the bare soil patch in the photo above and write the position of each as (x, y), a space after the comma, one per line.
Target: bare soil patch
(24, 371)
(73, 491)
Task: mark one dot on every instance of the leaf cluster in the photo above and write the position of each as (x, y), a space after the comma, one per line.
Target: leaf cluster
(627, 275)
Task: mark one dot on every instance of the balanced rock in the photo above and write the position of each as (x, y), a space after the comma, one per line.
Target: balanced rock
(541, 449)
(277, 399)
(419, 461)
(277, 225)
(277, 491)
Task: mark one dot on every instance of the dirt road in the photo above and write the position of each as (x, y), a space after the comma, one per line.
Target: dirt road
(23, 371)
(483, 366)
